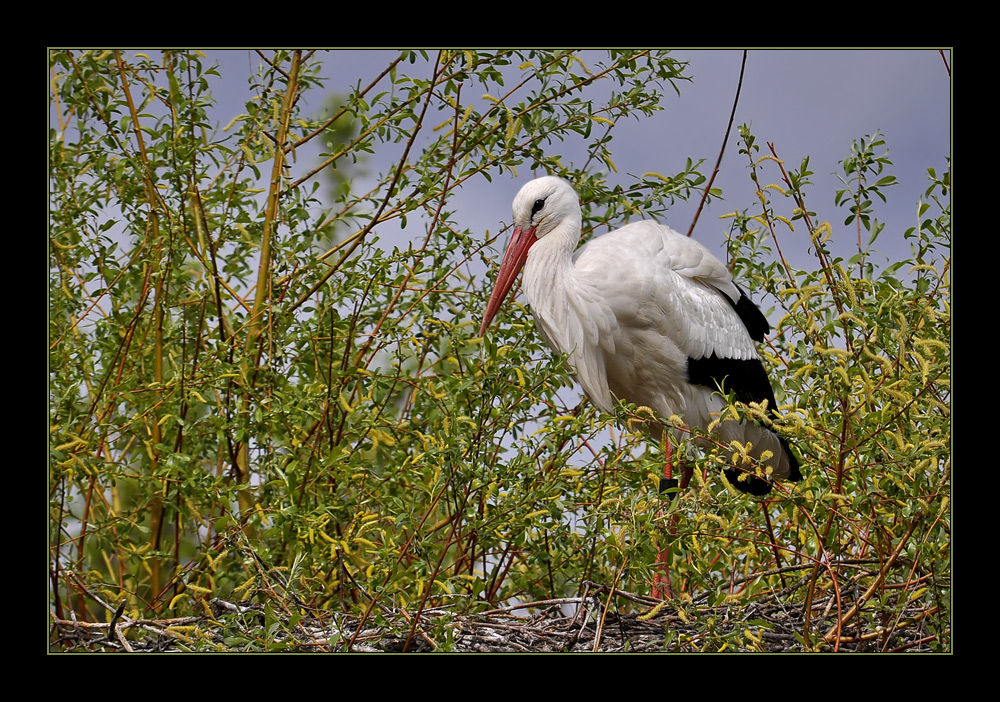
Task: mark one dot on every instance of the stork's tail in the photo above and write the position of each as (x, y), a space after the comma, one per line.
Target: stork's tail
(746, 481)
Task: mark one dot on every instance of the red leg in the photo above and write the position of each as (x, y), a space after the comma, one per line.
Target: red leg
(662, 587)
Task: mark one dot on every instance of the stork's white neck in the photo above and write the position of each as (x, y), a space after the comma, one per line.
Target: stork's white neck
(550, 281)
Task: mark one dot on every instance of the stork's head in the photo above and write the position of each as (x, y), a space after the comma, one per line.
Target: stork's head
(539, 208)
(543, 204)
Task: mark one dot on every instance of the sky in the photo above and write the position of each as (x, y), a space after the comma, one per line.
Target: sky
(806, 102)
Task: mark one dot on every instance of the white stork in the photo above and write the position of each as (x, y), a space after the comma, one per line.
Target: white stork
(647, 316)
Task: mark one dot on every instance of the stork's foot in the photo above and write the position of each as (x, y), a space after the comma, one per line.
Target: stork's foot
(666, 484)
(745, 482)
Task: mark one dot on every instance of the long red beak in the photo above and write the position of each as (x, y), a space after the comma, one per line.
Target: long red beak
(513, 262)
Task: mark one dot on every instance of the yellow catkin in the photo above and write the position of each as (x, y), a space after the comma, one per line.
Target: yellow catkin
(925, 367)
(806, 370)
(180, 632)
(842, 373)
(245, 585)
(383, 437)
(848, 317)
(513, 125)
(234, 120)
(787, 222)
(653, 612)
(213, 563)
(175, 599)
(767, 157)
(344, 404)
(933, 343)
(196, 394)
(654, 174)
(520, 376)
(823, 228)
(741, 449)
(746, 550)
(881, 360)
(69, 444)
(709, 517)
(897, 438)
(831, 351)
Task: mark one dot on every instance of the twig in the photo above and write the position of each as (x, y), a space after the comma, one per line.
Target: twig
(114, 620)
(725, 140)
(607, 606)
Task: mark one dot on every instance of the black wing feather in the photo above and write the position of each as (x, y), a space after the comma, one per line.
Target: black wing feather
(748, 382)
(751, 316)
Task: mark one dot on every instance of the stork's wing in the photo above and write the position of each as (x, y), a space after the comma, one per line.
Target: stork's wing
(652, 278)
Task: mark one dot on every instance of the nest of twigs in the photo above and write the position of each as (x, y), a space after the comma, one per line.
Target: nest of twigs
(602, 619)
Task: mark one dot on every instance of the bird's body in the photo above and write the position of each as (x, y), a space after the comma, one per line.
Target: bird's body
(647, 316)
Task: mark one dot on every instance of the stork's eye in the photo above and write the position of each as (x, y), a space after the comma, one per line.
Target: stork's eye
(539, 204)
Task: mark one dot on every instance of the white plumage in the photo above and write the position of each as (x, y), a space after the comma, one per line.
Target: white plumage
(646, 315)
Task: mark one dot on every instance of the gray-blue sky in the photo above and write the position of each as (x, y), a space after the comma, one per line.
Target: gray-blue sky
(807, 102)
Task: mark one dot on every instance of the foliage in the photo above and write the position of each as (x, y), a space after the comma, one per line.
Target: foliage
(240, 410)
(866, 361)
